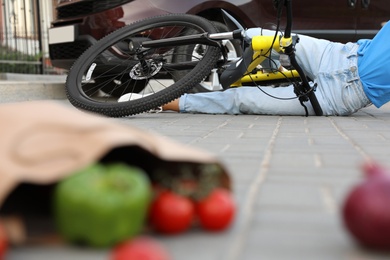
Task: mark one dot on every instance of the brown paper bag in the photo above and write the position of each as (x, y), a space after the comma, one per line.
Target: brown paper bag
(44, 141)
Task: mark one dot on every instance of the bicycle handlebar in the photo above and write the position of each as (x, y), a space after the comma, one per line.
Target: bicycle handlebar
(287, 31)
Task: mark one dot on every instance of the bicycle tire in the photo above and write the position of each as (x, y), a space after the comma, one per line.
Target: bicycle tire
(315, 104)
(112, 58)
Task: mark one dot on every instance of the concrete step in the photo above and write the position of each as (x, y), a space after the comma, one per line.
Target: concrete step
(15, 91)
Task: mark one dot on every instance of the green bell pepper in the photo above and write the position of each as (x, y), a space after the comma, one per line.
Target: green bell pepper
(102, 204)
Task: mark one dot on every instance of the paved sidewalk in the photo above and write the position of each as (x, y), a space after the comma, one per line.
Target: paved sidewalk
(290, 176)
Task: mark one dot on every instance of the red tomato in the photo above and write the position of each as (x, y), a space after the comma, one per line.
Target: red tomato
(171, 213)
(3, 242)
(217, 210)
(141, 248)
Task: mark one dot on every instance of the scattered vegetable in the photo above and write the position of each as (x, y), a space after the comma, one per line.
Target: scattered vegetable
(366, 211)
(102, 204)
(171, 213)
(3, 242)
(217, 210)
(141, 248)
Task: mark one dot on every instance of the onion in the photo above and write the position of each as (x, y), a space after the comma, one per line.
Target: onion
(366, 210)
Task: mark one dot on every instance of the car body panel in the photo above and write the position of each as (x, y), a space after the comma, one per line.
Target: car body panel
(372, 18)
(343, 21)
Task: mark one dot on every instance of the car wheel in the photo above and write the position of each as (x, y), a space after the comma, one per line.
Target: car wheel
(233, 49)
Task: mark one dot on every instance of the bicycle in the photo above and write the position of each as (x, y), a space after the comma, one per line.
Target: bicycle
(163, 57)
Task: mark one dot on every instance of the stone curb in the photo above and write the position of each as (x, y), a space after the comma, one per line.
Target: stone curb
(15, 91)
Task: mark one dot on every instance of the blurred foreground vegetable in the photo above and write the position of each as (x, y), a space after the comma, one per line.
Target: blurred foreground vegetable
(192, 194)
(102, 204)
(217, 210)
(140, 248)
(3, 242)
(171, 213)
(366, 210)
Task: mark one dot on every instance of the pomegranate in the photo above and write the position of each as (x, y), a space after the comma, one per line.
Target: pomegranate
(366, 210)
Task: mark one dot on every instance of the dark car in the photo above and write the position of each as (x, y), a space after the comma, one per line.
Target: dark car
(80, 23)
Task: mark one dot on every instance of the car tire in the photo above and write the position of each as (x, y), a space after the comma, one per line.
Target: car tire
(233, 49)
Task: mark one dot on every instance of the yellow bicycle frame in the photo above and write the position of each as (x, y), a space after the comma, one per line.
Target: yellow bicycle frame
(261, 46)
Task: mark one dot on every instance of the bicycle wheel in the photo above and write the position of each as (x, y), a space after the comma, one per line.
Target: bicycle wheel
(118, 65)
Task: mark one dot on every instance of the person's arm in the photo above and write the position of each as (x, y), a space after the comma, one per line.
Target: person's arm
(173, 105)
